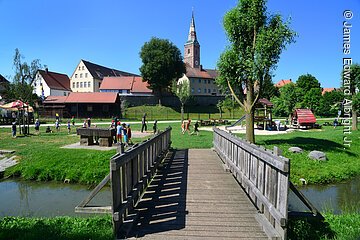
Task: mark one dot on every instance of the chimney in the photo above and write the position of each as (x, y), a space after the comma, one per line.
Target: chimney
(46, 70)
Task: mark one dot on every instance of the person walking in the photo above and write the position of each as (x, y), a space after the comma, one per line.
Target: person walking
(143, 123)
(13, 129)
(89, 122)
(187, 127)
(68, 127)
(73, 120)
(155, 127)
(57, 125)
(196, 129)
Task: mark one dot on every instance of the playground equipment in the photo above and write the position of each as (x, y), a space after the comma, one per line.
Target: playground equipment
(303, 118)
(262, 116)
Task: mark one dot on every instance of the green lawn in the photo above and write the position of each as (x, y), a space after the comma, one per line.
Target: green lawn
(343, 162)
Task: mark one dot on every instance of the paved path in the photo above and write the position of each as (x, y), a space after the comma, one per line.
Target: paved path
(192, 197)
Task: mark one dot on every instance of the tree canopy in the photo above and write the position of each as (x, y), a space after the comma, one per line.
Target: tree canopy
(256, 42)
(162, 63)
(181, 89)
(20, 88)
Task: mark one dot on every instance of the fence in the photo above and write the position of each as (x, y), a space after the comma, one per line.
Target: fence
(130, 173)
(172, 115)
(263, 174)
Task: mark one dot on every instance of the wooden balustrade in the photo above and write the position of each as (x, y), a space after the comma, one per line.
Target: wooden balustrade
(131, 172)
(263, 174)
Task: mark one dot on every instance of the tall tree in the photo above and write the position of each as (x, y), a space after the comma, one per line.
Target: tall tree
(288, 100)
(21, 87)
(181, 89)
(312, 99)
(162, 64)
(351, 83)
(257, 40)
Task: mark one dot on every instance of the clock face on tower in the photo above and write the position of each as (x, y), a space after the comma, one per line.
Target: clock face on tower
(196, 63)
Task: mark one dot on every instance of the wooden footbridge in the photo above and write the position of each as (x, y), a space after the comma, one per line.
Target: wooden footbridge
(237, 190)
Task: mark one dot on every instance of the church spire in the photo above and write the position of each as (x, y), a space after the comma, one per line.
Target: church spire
(192, 46)
(192, 32)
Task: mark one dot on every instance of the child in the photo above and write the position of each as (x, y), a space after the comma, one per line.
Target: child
(124, 132)
(187, 126)
(118, 133)
(73, 120)
(89, 122)
(37, 125)
(84, 124)
(183, 127)
(129, 134)
(155, 127)
(13, 129)
(48, 130)
(57, 125)
(68, 127)
(196, 128)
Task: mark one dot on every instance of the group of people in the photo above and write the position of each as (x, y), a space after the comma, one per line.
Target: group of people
(185, 127)
(123, 132)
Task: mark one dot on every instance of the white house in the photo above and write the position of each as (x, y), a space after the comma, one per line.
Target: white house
(48, 83)
(88, 76)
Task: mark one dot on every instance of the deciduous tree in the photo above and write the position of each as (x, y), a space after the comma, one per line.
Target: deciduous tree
(181, 89)
(162, 64)
(257, 40)
(351, 79)
(21, 87)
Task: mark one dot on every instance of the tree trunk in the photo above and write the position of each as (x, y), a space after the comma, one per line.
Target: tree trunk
(182, 112)
(250, 135)
(354, 119)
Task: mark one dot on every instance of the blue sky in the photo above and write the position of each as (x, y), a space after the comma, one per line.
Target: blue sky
(111, 33)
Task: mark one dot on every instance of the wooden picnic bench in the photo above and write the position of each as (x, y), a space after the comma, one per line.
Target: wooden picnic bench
(104, 136)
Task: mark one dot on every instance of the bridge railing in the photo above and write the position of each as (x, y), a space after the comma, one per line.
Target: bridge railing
(130, 173)
(263, 174)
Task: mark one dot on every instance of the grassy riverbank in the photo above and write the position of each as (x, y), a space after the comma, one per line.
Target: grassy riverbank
(338, 227)
(58, 228)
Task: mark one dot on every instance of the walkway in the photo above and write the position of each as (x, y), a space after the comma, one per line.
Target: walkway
(192, 197)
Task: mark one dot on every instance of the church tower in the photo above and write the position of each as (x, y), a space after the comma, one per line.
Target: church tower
(192, 47)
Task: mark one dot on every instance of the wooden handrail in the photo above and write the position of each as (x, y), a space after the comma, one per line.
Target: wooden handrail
(130, 173)
(264, 176)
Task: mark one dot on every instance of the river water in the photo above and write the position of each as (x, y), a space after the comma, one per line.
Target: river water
(28, 198)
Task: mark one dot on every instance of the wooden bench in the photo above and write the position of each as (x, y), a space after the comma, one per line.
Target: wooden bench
(104, 136)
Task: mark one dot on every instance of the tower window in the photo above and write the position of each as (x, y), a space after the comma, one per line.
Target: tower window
(188, 51)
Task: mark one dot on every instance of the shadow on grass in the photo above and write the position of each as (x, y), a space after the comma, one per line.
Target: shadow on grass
(310, 144)
(309, 228)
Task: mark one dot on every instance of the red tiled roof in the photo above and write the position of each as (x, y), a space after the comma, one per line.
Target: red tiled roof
(200, 73)
(132, 83)
(55, 99)
(283, 82)
(139, 86)
(55, 80)
(92, 97)
(324, 90)
(116, 83)
(305, 116)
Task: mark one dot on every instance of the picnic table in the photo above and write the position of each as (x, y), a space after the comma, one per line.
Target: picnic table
(104, 136)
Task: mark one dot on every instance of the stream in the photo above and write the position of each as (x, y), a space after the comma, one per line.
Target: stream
(49, 199)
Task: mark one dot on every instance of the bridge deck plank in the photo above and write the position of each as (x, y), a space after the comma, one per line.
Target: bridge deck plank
(192, 197)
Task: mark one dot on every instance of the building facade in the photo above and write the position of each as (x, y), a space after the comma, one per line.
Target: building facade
(87, 76)
(47, 83)
(201, 81)
(126, 86)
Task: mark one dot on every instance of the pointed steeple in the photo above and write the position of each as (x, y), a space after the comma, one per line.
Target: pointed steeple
(192, 32)
(192, 46)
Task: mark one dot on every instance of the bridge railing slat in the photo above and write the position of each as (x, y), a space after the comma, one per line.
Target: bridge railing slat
(131, 171)
(263, 174)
